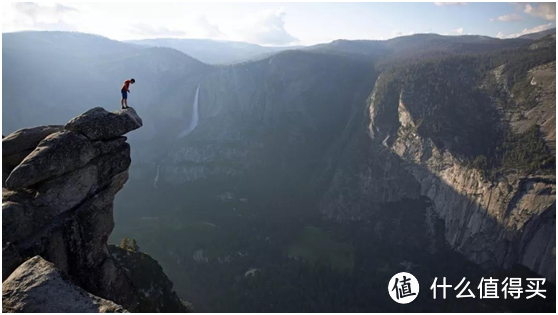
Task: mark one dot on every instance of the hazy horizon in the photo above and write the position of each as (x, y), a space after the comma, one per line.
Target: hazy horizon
(301, 175)
(238, 41)
(281, 24)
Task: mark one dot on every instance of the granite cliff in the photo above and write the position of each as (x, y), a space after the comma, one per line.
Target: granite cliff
(440, 128)
(424, 152)
(58, 189)
(480, 145)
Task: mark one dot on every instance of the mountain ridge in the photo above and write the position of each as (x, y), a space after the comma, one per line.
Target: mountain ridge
(423, 161)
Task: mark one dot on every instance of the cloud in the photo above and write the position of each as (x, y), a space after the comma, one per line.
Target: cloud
(266, 28)
(197, 27)
(62, 8)
(30, 15)
(508, 18)
(458, 31)
(546, 11)
(500, 34)
(443, 4)
(535, 29)
(34, 10)
(155, 30)
(518, 5)
(397, 33)
(207, 29)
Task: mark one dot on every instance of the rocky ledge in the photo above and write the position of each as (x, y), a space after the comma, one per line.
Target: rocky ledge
(58, 189)
(38, 286)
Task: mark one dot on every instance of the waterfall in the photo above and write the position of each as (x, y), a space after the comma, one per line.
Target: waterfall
(156, 177)
(194, 121)
(193, 124)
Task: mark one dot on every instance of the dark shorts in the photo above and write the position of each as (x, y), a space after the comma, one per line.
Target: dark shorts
(124, 94)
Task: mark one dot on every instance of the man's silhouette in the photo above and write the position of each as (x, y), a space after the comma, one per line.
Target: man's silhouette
(125, 90)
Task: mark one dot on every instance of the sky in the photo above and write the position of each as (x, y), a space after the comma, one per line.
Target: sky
(280, 24)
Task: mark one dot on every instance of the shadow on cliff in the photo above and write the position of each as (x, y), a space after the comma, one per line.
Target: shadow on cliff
(464, 227)
(416, 135)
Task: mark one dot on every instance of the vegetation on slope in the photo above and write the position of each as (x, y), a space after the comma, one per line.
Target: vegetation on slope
(461, 103)
(155, 290)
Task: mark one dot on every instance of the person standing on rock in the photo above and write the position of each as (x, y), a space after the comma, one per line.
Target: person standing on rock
(125, 90)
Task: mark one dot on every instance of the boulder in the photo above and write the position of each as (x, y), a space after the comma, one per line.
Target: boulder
(19, 144)
(75, 242)
(57, 154)
(99, 124)
(26, 139)
(38, 286)
(57, 216)
(67, 191)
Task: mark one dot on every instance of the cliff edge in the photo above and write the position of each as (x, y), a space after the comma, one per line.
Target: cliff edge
(58, 189)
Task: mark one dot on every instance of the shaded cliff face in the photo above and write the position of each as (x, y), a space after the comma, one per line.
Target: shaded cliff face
(457, 132)
(433, 159)
(155, 290)
(58, 193)
(278, 129)
(284, 111)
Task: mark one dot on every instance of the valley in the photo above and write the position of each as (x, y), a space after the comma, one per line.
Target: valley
(304, 180)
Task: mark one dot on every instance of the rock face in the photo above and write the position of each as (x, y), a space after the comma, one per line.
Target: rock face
(38, 286)
(20, 143)
(58, 202)
(502, 221)
(98, 124)
(57, 154)
(487, 221)
(282, 112)
(155, 290)
(27, 138)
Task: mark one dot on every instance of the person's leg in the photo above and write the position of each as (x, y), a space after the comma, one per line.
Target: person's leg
(124, 99)
(122, 103)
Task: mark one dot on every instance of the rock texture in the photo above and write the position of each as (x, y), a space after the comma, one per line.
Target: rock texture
(499, 222)
(26, 139)
(38, 286)
(98, 124)
(57, 154)
(155, 290)
(487, 221)
(280, 112)
(58, 202)
(20, 143)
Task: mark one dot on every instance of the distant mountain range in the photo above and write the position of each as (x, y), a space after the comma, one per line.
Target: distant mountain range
(229, 52)
(87, 66)
(213, 51)
(363, 156)
(539, 34)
